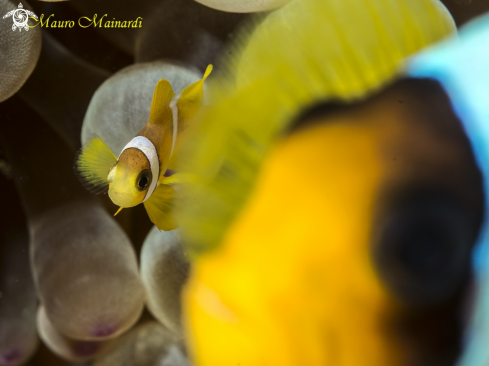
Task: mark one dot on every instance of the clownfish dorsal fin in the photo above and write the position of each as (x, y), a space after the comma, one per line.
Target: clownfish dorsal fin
(160, 206)
(92, 164)
(191, 100)
(160, 105)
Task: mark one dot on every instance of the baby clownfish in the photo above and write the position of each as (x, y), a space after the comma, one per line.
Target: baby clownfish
(138, 174)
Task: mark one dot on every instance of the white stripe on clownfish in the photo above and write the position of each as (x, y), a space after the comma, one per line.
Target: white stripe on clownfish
(145, 145)
(174, 111)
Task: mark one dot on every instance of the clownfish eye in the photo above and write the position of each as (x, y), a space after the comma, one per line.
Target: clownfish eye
(422, 248)
(144, 180)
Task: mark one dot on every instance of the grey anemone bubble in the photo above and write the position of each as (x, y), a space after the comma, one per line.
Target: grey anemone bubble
(148, 344)
(120, 106)
(164, 270)
(243, 6)
(20, 48)
(84, 266)
(170, 29)
(68, 349)
(71, 86)
(86, 272)
(18, 335)
(200, 42)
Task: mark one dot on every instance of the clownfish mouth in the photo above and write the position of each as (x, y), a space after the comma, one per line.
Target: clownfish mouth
(121, 199)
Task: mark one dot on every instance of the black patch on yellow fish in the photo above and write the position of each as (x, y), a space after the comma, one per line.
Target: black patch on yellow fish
(424, 230)
(426, 225)
(426, 215)
(424, 245)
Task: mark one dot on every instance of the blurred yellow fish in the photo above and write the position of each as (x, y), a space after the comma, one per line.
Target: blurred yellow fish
(138, 174)
(294, 161)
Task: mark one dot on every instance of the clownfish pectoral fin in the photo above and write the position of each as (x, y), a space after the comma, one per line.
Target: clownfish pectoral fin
(92, 164)
(160, 206)
(191, 100)
(160, 105)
